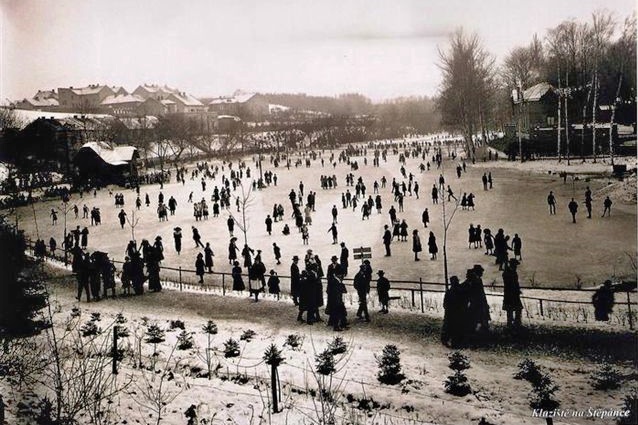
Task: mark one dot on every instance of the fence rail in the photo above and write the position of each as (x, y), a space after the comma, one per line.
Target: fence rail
(180, 278)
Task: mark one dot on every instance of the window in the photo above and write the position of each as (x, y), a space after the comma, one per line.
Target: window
(550, 121)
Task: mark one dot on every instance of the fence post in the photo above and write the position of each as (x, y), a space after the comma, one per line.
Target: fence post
(540, 303)
(223, 283)
(413, 304)
(273, 386)
(180, 278)
(421, 292)
(631, 319)
(114, 350)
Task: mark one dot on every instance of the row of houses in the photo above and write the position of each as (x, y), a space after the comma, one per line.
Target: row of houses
(146, 99)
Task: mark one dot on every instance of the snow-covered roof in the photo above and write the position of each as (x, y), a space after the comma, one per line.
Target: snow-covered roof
(228, 117)
(534, 93)
(26, 116)
(186, 99)
(118, 155)
(137, 123)
(237, 98)
(155, 88)
(167, 102)
(92, 89)
(125, 98)
(42, 102)
(46, 94)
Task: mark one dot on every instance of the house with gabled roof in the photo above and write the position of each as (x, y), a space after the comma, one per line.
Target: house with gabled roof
(245, 105)
(85, 99)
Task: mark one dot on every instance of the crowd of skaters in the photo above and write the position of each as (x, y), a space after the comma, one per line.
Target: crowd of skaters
(302, 209)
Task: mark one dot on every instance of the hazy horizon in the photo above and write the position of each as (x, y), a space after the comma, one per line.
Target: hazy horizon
(378, 49)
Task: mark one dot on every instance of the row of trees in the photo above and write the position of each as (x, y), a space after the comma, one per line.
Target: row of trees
(588, 63)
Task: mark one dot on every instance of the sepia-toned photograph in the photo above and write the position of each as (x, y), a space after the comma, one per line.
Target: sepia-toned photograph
(339, 212)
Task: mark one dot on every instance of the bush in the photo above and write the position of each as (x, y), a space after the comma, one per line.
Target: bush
(294, 341)
(631, 404)
(231, 348)
(96, 317)
(154, 335)
(389, 366)
(90, 329)
(272, 356)
(457, 384)
(458, 361)
(177, 324)
(542, 395)
(337, 346)
(605, 378)
(210, 328)
(248, 335)
(184, 341)
(529, 371)
(325, 362)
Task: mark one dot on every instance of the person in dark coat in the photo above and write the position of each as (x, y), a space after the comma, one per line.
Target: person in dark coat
(159, 249)
(137, 273)
(277, 251)
(269, 225)
(197, 237)
(231, 224)
(479, 309)
(199, 267)
(425, 217)
(512, 295)
(82, 275)
(362, 286)
(337, 311)
(607, 206)
(305, 288)
(232, 250)
(153, 269)
(387, 240)
(295, 276)
(343, 259)
(432, 248)
(416, 244)
(335, 232)
(208, 257)
(273, 284)
(455, 304)
(603, 301)
(517, 245)
(573, 209)
(85, 237)
(94, 277)
(247, 253)
(53, 244)
(258, 272)
(383, 291)
(238, 281)
(122, 217)
(177, 238)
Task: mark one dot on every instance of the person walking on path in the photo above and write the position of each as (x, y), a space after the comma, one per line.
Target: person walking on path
(607, 206)
(416, 244)
(231, 225)
(238, 281)
(362, 286)
(199, 267)
(588, 201)
(122, 217)
(383, 291)
(295, 280)
(335, 232)
(343, 259)
(573, 209)
(177, 238)
(277, 251)
(425, 218)
(512, 295)
(432, 248)
(208, 257)
(268, 225)
(387, 240)
(517, 245)
(455, 305)
(551, 201)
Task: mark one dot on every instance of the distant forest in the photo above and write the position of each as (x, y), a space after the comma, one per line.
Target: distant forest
(418, 113)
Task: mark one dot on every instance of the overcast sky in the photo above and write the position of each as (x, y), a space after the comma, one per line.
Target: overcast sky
(380, 48)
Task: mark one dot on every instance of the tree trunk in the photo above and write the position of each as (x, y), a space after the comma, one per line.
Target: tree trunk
(593, 116)
(566, 117)
(582, 132)
(558, 126)
(613, 117)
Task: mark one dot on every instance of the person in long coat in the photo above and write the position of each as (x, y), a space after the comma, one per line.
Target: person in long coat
(137, 273)
(432, 248)
(85, 237)
(512, 295)
(455, 303)
(238, 281)
(232, 250)
(383, 291)
(208, 257)
(416, 244)
(295, 276)
(479, 309)
(199, 267)
(82, 274)
(177, 238)
(362, 286)
(603, 301)
(337, 312)
(273, 284)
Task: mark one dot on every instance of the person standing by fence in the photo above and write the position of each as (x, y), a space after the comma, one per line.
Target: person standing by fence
(383, 291)
(512, 295)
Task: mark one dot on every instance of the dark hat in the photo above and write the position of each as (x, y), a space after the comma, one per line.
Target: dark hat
(478, 267)
(235, 263)
(514, 262)
(200, 255)
(272, 272)
(178, 229)
(295, 258)
(334, 258)
(607, 282)
(158, 238)
(380, 272)
(454, 279)
(366, 261)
